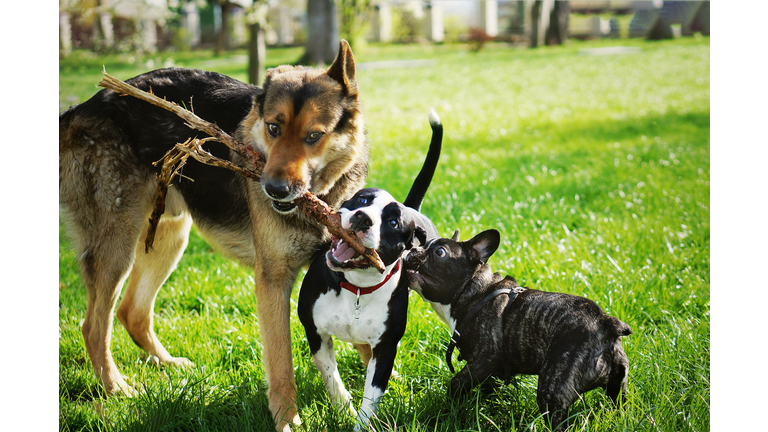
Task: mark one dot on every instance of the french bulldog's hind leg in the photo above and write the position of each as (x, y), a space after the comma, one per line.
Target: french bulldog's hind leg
(554, 395)
(617, 379)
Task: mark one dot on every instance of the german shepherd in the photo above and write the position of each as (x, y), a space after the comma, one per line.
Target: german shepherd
(308, 124)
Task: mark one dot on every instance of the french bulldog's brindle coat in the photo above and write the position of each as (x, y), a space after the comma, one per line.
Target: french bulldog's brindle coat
(568, 341)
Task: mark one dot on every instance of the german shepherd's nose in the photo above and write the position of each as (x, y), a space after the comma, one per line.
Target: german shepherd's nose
(277, 189)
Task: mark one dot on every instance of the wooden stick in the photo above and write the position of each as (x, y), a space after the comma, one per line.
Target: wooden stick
(254, 159)
(310, 204)
(167, 172)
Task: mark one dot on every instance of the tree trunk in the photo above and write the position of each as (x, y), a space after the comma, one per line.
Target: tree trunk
(322, 32)
(557, 32)
(222, 42)
(535, 17)
(257, 54)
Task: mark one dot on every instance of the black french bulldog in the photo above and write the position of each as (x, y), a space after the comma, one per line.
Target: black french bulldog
(504, 329)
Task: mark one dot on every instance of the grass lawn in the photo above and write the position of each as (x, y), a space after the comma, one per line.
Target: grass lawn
(596, 170)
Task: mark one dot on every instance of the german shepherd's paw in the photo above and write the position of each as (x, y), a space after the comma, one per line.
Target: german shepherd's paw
(180, 362)
(119, 386)
(295, 422)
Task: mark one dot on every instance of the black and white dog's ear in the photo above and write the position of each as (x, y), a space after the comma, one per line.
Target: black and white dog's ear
(484, 244)
(455, 236)
(420, 234)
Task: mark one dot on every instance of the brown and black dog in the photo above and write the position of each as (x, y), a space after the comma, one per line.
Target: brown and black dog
(307, 122)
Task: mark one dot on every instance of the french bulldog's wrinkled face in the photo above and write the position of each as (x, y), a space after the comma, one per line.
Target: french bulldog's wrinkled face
(380, 222)
(440, 269)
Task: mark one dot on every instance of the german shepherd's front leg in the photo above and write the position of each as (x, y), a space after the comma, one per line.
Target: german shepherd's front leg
(274, 281)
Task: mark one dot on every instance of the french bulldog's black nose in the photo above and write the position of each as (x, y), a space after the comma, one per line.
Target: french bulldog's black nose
(361, 222)
(277, 189)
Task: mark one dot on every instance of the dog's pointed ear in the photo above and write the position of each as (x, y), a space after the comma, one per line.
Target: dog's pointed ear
(343, 69)
(484, 244)
(455, 236)
(411, 235)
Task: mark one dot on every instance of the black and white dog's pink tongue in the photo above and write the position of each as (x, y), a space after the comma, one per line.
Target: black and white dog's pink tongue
(343, 252)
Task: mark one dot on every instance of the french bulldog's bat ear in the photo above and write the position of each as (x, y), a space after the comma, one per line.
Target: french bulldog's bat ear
(455, 236)
(420, 234)
(484, 244)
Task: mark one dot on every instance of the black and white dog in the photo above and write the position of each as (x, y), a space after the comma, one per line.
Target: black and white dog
(343, 296)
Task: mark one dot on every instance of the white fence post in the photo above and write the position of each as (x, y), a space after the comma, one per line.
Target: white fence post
(382, 22)
(434, 22)
(489, 17)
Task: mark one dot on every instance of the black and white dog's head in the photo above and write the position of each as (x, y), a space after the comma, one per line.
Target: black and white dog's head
(382, 224)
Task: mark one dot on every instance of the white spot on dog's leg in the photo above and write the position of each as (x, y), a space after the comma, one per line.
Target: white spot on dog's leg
(325, 361)
(371, 397)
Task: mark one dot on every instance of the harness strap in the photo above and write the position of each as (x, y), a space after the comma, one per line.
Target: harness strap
(512, 293)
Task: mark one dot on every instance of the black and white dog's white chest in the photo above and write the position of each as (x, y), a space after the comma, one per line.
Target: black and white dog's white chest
(357, 319)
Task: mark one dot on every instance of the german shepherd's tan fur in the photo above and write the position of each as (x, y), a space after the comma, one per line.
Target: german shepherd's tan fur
(309, 125)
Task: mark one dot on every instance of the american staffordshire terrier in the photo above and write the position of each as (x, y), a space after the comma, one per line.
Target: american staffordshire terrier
(343, 296)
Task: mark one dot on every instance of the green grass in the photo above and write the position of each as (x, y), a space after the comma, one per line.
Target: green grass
(595, 169)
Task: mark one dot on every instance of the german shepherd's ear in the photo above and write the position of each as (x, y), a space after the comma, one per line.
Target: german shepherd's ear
(343, 69)
(484, 244)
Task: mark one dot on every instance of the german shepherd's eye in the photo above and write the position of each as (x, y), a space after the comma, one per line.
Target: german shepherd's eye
(314, 137)
(441, 252)
(273, 129)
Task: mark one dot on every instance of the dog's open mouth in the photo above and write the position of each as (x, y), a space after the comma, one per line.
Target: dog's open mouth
(283, 207)
(417, 279)
(343, 256)
(413, 267)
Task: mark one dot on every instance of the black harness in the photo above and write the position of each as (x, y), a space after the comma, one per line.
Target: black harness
(511, 292)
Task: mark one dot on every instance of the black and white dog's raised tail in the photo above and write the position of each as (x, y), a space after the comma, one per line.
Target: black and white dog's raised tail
(342, 295)
(419, 188)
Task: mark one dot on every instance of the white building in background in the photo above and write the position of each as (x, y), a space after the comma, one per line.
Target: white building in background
(147, 13)
(435, 14)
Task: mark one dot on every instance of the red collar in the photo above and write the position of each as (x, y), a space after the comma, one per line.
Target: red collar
(367, 290)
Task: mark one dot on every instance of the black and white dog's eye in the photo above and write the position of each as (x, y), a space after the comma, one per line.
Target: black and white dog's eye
(273, 129)
(440, 252)
(363, 200)
(393, 223)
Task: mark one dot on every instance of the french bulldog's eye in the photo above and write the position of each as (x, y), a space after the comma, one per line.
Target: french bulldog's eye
(273, 129)
(441, 253)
